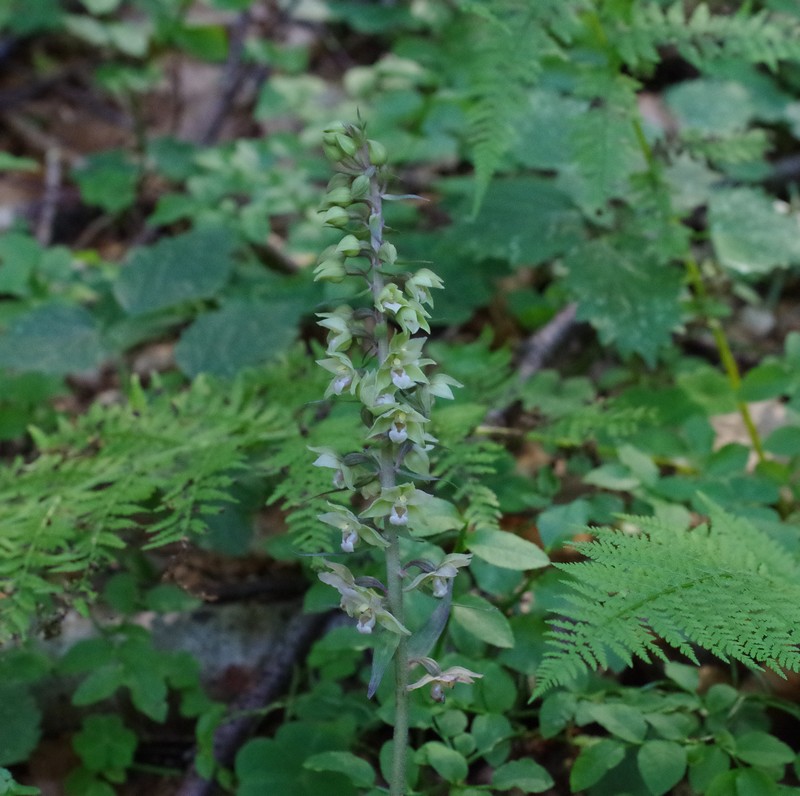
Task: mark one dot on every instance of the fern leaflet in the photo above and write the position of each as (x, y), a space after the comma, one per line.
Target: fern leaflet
(725, 586)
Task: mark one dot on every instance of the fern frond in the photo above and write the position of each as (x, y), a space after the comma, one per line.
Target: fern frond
(598, 422)
(726, 587)
(463, 461)
(506, 56)
(702, 37)
(158, 465)
(303, 491)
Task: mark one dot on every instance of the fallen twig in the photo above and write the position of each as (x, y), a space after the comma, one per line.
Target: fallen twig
(50, 197)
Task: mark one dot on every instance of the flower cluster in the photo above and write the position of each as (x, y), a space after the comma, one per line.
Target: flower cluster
(391, 382)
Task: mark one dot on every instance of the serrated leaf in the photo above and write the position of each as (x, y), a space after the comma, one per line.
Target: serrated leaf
(749, 232)
(713, 107)
(108, 180)
(504, 549)
(187, 267)
(606, 154)
(523, 221)
(105, 743)
(483, 620)
(19, 723)
(634, 304)
(241, 334)
(54, 338)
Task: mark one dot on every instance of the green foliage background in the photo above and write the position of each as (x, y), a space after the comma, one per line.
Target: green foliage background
(633, 160)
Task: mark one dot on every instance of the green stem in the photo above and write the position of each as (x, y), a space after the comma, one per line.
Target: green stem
(729, 363)
(388, 476)
(695, 279)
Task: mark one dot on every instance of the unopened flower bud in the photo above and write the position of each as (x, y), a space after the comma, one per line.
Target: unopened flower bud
(349, 246)
(360, 187)
(346, 144)
(387, 253)
(331, 270)
(338, 196)
(377, 152)
(336, 217)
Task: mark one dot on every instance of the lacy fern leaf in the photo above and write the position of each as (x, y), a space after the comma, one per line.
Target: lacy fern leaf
(702, 37)
(509, 44)
(150, 469)
(725, 586)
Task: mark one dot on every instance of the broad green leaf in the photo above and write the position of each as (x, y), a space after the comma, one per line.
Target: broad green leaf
(605, 155)
(752, 235)
(108, 180)
(53, 338)
(19, 257)
(713, 107)
(784, 441)
(188, 267)
(524, 774)
(496, 690)
(19, 723)
(483, 620)
(558, 523)
(705, 764)
(621, 720)
(490, 729)
(743, 782)
(241, 334)
(767, 380)
(594, 762)
(9, 162)
(662, 765)
(557, 711)
(99, 685)
(504, 549)
(438, 516)
(448, 764)
(276, 765)
(673, 726)
(633, 302)
(544, 127)
(209, 42)
(762, 749)
(356, 769)
(105, 744)
(451, 723)
(148, 691)
(523, 221)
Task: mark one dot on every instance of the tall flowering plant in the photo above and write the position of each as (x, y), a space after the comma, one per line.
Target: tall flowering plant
(375, 354)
